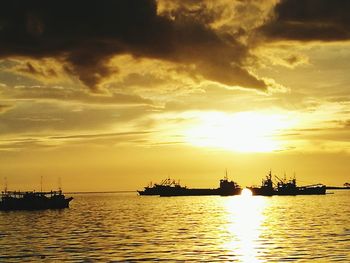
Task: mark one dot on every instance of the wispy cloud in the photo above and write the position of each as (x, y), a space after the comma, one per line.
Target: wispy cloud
(4, 107)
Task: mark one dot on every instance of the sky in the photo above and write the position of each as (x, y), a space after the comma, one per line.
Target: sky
(110, 95)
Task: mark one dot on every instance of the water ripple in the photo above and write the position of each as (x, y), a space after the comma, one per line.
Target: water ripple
(115, 228)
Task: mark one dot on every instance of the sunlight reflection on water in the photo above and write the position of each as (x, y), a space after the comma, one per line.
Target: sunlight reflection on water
(245, 217)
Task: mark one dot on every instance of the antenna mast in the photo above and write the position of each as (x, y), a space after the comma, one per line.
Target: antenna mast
(59, 184)
(41, 183)
(5, 184)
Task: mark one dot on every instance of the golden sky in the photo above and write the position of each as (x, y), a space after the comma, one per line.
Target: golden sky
(110, 95)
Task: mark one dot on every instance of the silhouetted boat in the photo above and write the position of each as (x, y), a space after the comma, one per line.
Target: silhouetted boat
(170, 187)
(266, 187)
(286, 187)
(164, 186)
(290, 187)
(15, 200)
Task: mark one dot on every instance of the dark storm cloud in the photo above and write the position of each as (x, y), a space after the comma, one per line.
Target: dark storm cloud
(310, 20)
(86, 34)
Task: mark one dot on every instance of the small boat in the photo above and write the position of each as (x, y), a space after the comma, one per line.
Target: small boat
(16, 200)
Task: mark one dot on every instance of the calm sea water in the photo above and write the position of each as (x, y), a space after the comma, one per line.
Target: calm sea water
(130, 228)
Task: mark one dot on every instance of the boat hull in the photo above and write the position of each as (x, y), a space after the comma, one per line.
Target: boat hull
(319, 190)
(261, 191)
(202, 192)
(9, 204)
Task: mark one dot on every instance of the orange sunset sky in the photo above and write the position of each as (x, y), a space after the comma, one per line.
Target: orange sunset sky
(109, 95)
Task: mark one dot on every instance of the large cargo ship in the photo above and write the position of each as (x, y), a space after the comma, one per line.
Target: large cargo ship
(170, 187)
(16, 200)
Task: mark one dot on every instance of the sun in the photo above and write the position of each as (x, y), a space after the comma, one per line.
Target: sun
(240, 132)
(246, 192)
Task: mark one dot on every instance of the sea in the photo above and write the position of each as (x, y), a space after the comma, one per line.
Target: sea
(130, 228)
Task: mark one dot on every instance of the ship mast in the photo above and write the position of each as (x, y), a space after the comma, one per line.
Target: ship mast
(279, 179)
(5, 184)
(59, 184)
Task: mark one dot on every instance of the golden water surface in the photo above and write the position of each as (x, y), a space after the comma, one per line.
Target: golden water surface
(130, 228)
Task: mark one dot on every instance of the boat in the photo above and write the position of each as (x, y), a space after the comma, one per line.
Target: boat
(169, 187)
(266, 188)
(286, 187)
(164, 186)
(316, 189)
(290, 187)
(16, 200)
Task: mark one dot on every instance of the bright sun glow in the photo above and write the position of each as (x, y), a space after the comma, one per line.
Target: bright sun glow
(246, 192)
(241, 132)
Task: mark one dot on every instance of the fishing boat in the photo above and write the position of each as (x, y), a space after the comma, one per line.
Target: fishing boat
(289, 187)
(286, 187)
(16, 200)
(167, 185)
(266, 188)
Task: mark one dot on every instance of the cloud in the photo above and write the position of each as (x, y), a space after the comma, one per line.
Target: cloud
(46, 117)
(4, 107)
(48, 142)
(309, 20)
(100, 135)
(19, 144)
(73, 95)
(45, 70)
(235, 17)
(84, 36)
(282, 55)
(345, 124)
